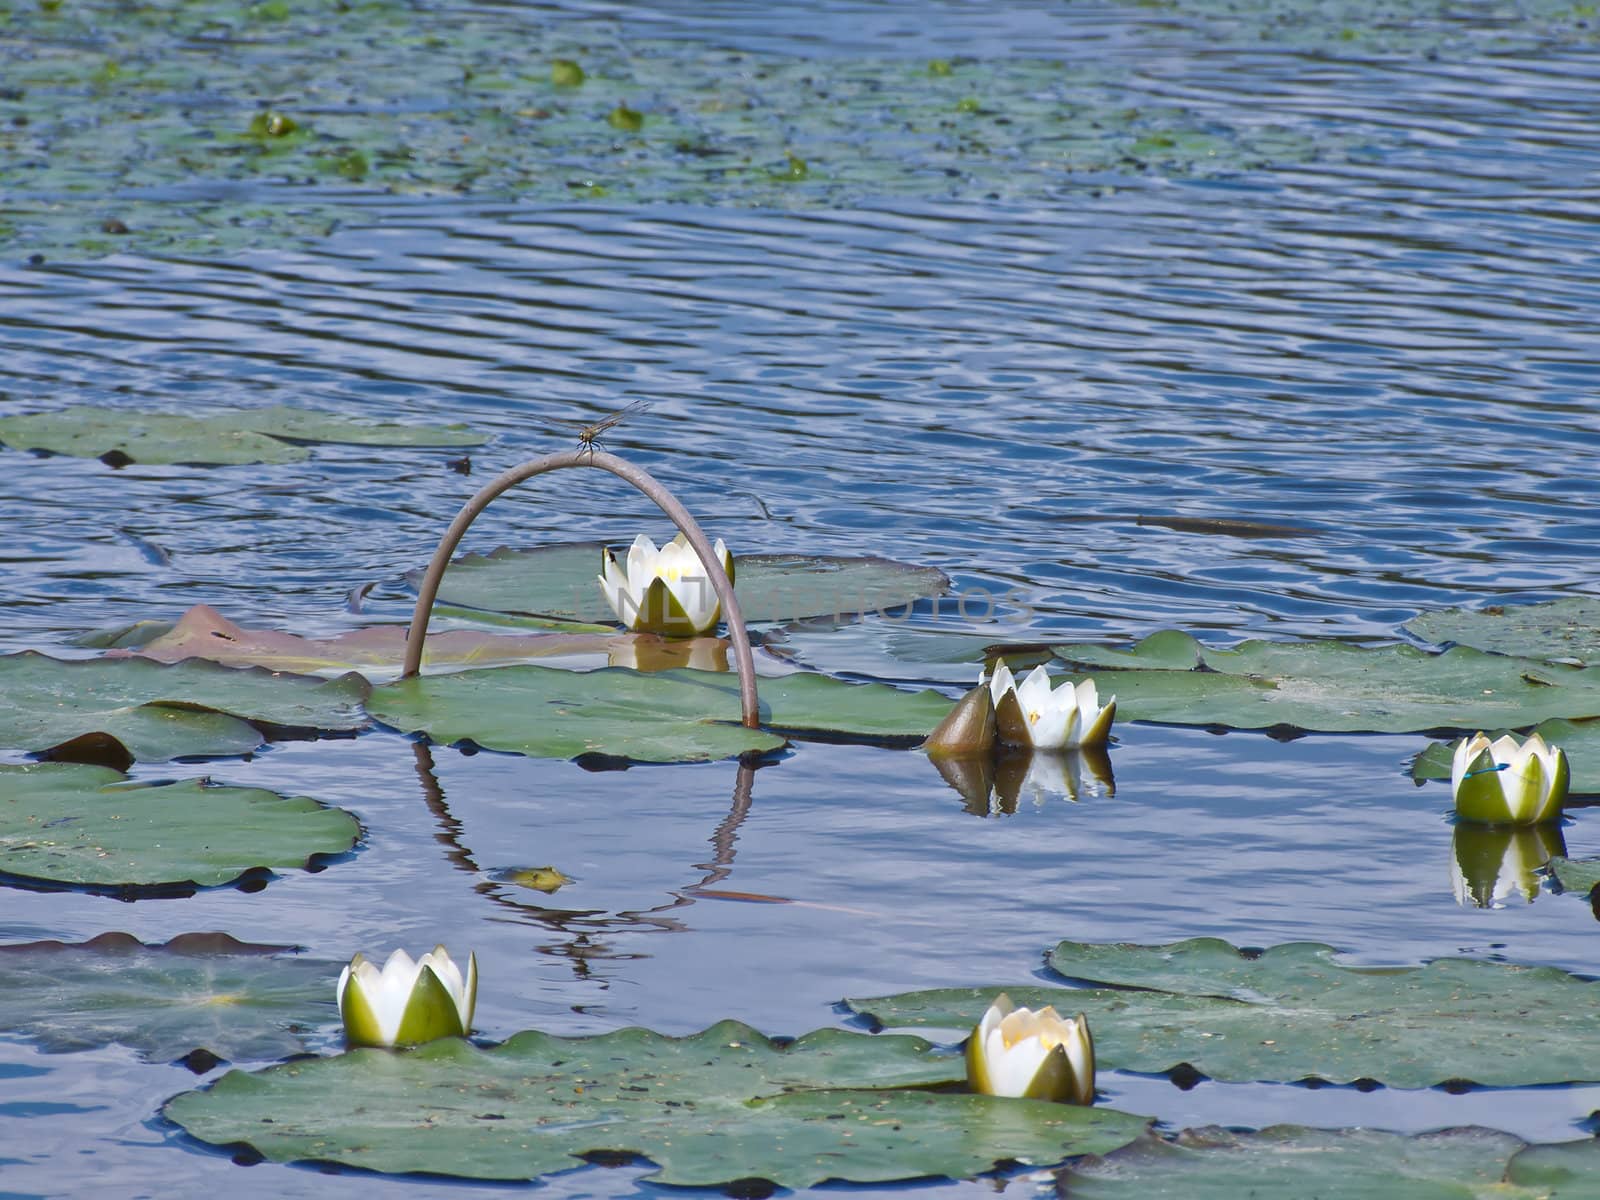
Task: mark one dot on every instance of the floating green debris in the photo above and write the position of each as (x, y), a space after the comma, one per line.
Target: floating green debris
(718, 1107)
(624, 118)
(269, 124)
(566, 73)
(468, 117)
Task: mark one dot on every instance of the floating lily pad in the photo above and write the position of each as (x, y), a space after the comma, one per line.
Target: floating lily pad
(560, 581)
(668, 716)
(1576, 875)
(1293, 1012)
(376, 651)
(1332, 686)
(81, 826)
(723, 1105)
(1337, 1164)
(198, 992)
(150, 711)
(222, 438)
(1565, 630)
(1580, 740)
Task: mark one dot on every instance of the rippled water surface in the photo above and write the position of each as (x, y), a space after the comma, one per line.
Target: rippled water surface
(1309, 398)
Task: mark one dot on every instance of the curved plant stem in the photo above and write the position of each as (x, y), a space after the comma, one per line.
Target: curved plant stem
(586, 456)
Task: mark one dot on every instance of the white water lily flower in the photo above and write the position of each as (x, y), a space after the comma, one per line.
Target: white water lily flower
(1036, 1055)
(407, 1003)
(1505, 782)
(664, 591)
(1030, 713)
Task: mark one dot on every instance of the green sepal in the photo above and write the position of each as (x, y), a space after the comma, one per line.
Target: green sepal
(1010, 722)
(1480, 796)
(430, 1012)
(361, 1027)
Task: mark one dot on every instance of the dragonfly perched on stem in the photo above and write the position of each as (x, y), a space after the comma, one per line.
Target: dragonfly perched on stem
(589, 435)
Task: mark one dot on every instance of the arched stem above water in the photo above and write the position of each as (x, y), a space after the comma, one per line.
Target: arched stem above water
(586, 456)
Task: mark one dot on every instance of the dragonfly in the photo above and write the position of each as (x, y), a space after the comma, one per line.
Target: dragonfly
(589, 435)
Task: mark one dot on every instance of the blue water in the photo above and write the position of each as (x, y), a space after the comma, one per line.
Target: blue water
(1392, 350)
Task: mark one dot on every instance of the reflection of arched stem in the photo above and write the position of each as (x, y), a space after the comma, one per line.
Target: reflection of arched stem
(727, 833)
(449, 828)
(588, 457)
(722, 842)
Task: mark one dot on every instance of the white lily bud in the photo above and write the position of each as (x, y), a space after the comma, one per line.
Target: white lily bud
(407, 1003)
(666, 591)
(1035, 1055)
(1505, 782)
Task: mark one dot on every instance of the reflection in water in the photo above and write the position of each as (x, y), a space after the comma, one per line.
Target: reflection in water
(582, 927)
(648, 652)
(1488, 863)
(993, 784)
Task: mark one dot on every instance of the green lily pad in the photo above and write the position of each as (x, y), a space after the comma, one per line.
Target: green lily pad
(82, 826)
(1330, 686)
(1576, 875)
(1293, 1012)
(560, 581)
(1566, 630)
(719, 1106)
(125, 709)
(375, 651)
(222, 438)
(1580, 740)
(667, 716)
(1339, 1164)
(198, 992)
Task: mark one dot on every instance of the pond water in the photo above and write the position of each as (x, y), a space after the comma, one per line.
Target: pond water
(1388, 343)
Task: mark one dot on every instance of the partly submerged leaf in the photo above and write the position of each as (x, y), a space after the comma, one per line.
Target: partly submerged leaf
(1293, 1012)
(1336, 1164)
(1580, 740)
(158, 712)
(205, 992)
(1566, 630)
(375, 651)
(1332, 686)
(218, 438)
(560, 581)
(723, 1105)
(669, 716)
(1576, 875)
(80, 826)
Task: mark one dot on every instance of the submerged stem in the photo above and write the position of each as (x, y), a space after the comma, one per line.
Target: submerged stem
(586, 456)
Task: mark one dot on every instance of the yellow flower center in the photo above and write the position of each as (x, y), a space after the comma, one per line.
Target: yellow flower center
(1033, 716)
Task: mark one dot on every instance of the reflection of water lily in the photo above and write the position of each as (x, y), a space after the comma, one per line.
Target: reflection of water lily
(407, 1003)
(1037, 1055)
(1030, 713)
(1506, 782)
(1488, 865)
(663, 591)
(1041, 775)
(646, 652)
